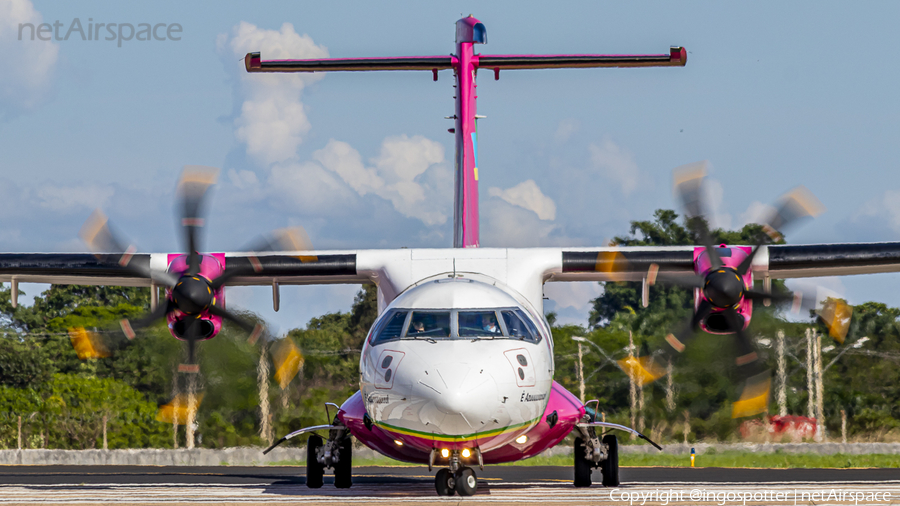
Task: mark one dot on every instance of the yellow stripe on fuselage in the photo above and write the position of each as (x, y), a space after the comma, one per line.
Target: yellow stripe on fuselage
(452, 439)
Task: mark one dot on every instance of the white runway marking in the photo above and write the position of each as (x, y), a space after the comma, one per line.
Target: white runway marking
(496, 493)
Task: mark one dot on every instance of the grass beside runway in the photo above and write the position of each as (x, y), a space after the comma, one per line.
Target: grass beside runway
(777, 460)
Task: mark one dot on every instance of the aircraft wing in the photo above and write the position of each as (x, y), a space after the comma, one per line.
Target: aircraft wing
(244, 268)
(775, 261)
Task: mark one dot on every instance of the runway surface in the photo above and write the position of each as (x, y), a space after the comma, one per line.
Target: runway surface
(412, 485)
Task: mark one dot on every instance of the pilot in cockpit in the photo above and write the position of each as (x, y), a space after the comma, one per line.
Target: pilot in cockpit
(489, 324)
(416, 327)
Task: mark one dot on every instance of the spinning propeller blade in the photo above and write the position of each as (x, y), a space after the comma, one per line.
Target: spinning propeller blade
(688, 186)
(793, 206)
(192, 188)
(754, 398)
(288, 360)
(101, 240)
(180, 409)
(87, 344)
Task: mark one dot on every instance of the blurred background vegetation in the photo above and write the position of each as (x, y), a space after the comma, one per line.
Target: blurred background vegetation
(61, 400)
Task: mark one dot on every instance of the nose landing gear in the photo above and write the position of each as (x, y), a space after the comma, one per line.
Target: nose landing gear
(462, 482)
(456, 480)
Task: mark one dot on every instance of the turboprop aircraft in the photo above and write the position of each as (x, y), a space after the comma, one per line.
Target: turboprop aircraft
(457, 370)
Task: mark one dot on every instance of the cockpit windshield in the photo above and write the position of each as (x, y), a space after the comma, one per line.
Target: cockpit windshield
(478, 324)
(429, 324)
(501, 323)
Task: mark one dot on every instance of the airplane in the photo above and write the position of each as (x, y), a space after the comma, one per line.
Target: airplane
(457, 369)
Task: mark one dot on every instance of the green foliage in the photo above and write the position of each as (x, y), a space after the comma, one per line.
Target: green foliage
(331, 346)
(68, 413)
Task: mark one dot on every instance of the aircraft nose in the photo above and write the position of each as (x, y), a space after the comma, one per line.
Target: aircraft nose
(466, 391)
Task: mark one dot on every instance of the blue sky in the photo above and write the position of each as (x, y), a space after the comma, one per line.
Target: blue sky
(774, 95)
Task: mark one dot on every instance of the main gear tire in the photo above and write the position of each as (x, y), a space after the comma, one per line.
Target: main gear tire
(343, 468)
(315, 472)
(582, 465)
(610, 466)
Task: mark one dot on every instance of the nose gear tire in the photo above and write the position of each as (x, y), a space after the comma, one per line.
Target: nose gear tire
(466, 484)
(445, 483)
(314, 471)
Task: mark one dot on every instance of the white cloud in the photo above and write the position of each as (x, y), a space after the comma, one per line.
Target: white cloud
(756, 212)
(511, 226)
(340, 158)
(244, 179)
(27, 78)
(575, 295)
(528, 195)
(885, 208)
(397, 175)
(72, 198)
(616, 164)
(272, 121)
(409, 172)
(309, 189)
(566, 129)
(715, 197)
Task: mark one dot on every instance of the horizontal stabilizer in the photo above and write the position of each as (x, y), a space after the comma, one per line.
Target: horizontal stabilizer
(254, 63)
(677, 57)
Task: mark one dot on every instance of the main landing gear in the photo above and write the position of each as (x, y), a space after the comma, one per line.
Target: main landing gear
(591, 453)
(457, 479)
(336, 453)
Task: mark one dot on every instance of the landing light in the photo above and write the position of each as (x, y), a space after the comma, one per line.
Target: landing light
(398, 442)
(466, 453)
(445, 453)
(522, 439)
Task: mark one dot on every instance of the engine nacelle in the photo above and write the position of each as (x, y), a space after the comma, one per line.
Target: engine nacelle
(715, 323)
(211, 266)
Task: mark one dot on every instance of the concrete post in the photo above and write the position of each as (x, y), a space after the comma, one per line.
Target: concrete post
(843, 426)
(670, 388)
(262, 370)
(782, 375)
(821, 436)
(191, 411)
(810, 376)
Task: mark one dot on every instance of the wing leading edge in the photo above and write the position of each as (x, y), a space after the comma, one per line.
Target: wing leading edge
(242, 268)
(776, 261)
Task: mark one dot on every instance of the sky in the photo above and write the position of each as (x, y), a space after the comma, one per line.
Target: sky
(773, 95)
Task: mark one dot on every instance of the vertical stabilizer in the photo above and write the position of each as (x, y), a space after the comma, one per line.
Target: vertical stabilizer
(469, 31)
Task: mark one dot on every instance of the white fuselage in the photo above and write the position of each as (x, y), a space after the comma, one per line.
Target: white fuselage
(438, 366)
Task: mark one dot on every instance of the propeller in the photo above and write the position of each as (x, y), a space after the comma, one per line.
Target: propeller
(191, 294)
(722, 286)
